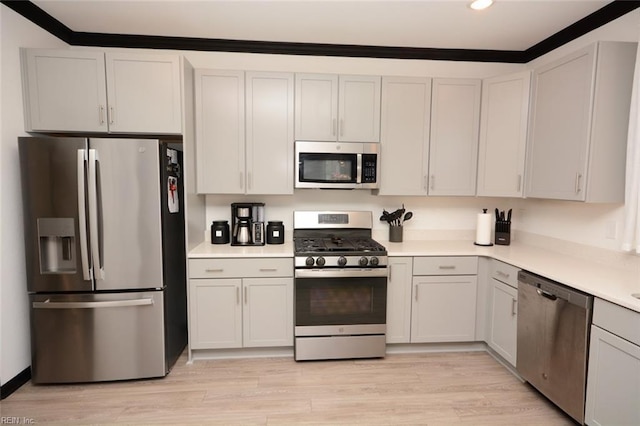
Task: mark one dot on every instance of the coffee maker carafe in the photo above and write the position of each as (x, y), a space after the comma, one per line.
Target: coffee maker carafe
(247, 222)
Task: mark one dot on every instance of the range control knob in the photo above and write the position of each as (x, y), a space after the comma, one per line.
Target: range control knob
(342, 261)
(320, 261)
(309, 261)
(363, 261)
(374, 261)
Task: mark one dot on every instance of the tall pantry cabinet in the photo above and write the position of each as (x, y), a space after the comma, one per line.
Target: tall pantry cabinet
(578, 124)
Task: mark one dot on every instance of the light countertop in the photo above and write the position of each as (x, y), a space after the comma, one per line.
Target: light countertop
(610, 283)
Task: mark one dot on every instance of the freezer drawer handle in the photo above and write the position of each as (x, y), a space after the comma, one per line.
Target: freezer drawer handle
(48, 304)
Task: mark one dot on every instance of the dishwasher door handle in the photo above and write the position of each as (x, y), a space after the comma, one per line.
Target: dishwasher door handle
(546, 294)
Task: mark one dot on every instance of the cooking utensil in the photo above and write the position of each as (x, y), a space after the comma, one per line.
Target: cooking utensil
(407, 216)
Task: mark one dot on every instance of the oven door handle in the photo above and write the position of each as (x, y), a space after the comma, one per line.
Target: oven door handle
(340, 273)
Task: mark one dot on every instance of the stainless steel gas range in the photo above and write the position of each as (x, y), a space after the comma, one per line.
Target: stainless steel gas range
(340, 286)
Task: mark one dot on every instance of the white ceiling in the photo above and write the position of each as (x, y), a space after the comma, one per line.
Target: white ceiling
(507, 25)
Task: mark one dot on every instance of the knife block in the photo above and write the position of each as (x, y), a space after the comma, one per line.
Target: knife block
(503, 233)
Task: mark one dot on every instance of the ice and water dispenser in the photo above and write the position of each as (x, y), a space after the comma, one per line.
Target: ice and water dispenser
(57, 245)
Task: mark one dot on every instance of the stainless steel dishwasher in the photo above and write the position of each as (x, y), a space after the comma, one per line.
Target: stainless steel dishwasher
(553, 340)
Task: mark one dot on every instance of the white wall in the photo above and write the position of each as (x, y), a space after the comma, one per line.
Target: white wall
(15, 32)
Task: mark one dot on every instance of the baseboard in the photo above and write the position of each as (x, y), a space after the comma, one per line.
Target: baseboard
(14, 384)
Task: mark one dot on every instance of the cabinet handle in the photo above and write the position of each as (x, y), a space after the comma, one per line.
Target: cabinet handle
(341, 127)
(519, 187)
(432, 181)
(268, 269)
(237, 295)
(333, 127)
(390, 273)
(246, 297)
(425, 183)
(111, 115)
(502, 274)
(101, 114)
(214, 270)
(578, 177)
(446, 267)
(514, 304)
(241, 174)
(249, 180)
(415, 287)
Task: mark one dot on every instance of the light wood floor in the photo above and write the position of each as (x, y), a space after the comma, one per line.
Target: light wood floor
(425, 389)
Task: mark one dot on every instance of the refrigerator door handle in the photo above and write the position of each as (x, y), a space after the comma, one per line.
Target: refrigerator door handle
(48, 304)
(98, 270)
(82, 215)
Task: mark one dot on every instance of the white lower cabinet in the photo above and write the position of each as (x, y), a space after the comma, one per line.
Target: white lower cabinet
(503, 321)
(399, 300)
(248, 306)
(613, 381)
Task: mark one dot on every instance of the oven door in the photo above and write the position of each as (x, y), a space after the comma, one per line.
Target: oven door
(338, 301)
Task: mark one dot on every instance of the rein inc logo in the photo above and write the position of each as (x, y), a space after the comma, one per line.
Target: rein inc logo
(6, 420)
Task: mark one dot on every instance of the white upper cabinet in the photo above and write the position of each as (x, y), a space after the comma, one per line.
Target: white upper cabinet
(219, 97)
(64, 90)
(404, 135)
(144, 93)
(337, 108)
(578, 124)
(244, 132)
(88, 91)
(503, 135)
(269, 133)
(453, 149)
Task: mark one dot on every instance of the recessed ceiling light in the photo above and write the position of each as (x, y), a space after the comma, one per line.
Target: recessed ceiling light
(480, 4)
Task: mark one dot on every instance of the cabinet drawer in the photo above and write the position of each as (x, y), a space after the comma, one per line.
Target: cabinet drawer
(241, 268)
(618, 320)
(505, 273)
(445, 265)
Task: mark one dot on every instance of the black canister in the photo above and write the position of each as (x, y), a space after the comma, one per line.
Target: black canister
(275, 232)
(220, 232)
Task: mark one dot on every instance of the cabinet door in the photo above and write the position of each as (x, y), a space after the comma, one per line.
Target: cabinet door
(220, 127)
(269, 127)
(559, 127)
(503, 324)
(64, 90)
(316, 107)
(359, 109)
(503, 135)
(443, 309)
(613, 382)
(144, 93)
(215, 313)
(268, 312)
(453, 150)
(399, 300)
(404, 135)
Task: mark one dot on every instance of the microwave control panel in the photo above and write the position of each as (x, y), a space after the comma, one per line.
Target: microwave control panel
(369, 168)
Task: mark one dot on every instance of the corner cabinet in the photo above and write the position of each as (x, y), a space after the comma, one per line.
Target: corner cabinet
(578, 124)
(337, 108)
(236, 303)
(91, 91)
(455, 124)
(404, 135)
(503, 135)
(244, 132)
(613, 381)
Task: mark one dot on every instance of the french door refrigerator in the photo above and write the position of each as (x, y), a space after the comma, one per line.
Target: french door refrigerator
(105, 256)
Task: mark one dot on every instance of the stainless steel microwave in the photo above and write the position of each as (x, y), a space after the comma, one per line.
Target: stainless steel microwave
(337, 165)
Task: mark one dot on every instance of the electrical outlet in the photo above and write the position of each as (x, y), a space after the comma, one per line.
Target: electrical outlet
(611, 230)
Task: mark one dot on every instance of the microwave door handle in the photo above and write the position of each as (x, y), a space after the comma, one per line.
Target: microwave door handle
(93, 215)
(82, 215)
(359, 168)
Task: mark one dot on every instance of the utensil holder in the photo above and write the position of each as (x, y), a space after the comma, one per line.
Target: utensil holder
(395, 234)
(503, 233)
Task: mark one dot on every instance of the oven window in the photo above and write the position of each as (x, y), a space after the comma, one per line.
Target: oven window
(341, 301)
(327, 168)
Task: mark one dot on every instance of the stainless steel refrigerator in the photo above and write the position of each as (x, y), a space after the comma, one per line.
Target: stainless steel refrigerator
(105, 257)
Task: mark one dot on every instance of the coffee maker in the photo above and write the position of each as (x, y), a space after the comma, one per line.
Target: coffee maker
(247, 224)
